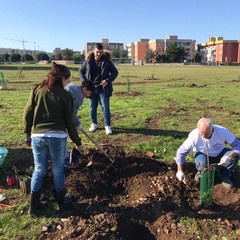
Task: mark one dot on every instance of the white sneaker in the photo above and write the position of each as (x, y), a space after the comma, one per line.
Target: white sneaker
(93, 127)
(108, 130)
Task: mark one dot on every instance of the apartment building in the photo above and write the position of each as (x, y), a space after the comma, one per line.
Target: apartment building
(238, 51)
(11, 51)
(106, 45)
(131, 51)
(140, 47)
(137, 50)
(187, 44)
(157, 45)
(217, 50)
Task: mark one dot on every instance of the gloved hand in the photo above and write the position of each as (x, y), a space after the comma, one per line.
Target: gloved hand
(79, 148)
(180, 175)
(225, 161)
(28, 140)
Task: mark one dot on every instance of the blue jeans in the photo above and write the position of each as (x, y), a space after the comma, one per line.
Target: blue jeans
(42, 147)
(99, 96)
(225, 173)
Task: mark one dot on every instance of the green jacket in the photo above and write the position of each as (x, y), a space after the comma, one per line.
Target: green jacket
(50, 111)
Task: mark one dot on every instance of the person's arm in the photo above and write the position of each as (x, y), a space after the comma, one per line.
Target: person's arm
(235, 148)
(113, 72)
(82, 72)
(181, 154)
(29, 113)
(182, 151)
(71, 127)
(226, 160)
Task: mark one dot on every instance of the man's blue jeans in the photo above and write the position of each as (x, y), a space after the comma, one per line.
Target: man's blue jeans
(224, 172)
(99, 97)
(42, 147)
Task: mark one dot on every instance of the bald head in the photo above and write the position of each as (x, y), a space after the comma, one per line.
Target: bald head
(205, 126)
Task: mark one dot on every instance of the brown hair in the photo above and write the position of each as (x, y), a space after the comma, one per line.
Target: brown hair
(55, 76)
(98, 46)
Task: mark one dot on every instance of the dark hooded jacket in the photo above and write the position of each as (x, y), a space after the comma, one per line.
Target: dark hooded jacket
(108, 71)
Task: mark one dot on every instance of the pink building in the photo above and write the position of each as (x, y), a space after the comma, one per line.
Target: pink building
(137, 50)
(217, 50)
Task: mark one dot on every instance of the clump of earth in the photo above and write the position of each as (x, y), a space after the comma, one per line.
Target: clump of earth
(139, 197)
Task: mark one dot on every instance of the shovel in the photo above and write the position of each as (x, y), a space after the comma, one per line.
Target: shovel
(90, 163)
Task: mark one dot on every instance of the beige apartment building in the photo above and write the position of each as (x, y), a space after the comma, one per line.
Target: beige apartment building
(136, 50)
(106, 45)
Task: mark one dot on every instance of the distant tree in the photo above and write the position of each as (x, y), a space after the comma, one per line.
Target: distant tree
(53, 57)
(67, 54)
(42, 57)
(78, 58)
(124, 54)
(15, 57)
(27, 58)
(59, 56)
(5, 57)
(174, 53)
(116, 53)
(151, 56)
(197, 57)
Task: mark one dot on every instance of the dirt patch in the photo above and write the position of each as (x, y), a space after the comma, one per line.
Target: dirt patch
(190, 85)
(124, 94)
(137, 197)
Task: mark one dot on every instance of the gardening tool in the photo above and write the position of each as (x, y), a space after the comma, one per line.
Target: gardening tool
(97, 145)
(6, 205)
(73, 159)
(188, 186)
(206, 183)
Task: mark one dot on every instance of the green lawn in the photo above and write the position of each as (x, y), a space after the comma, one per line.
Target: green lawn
(171, 99)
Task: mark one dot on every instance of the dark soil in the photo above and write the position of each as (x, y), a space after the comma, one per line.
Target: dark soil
(138, 197)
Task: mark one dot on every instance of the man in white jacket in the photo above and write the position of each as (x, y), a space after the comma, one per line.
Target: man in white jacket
(208, 142)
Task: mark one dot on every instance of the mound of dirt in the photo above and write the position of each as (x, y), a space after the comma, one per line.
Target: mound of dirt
(137, 197)
(130, 93)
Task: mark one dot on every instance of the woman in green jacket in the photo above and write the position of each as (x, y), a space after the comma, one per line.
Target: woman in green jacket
(48, 120)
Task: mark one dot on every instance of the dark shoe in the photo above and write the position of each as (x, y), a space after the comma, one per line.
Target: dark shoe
(64, 200)
(35, 203)
(197, 177)
(227, 183)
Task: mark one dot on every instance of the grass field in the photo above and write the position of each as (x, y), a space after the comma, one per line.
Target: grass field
(177, 96)
(168, 103)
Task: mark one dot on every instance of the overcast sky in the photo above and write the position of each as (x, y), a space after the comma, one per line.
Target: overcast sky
(48, 24)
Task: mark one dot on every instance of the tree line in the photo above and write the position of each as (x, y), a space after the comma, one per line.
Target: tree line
(173, 53)
(66, 54)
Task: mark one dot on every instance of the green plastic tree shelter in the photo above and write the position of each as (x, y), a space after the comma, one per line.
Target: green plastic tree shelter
(206, 186)
(3, 84)
(206, 181)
